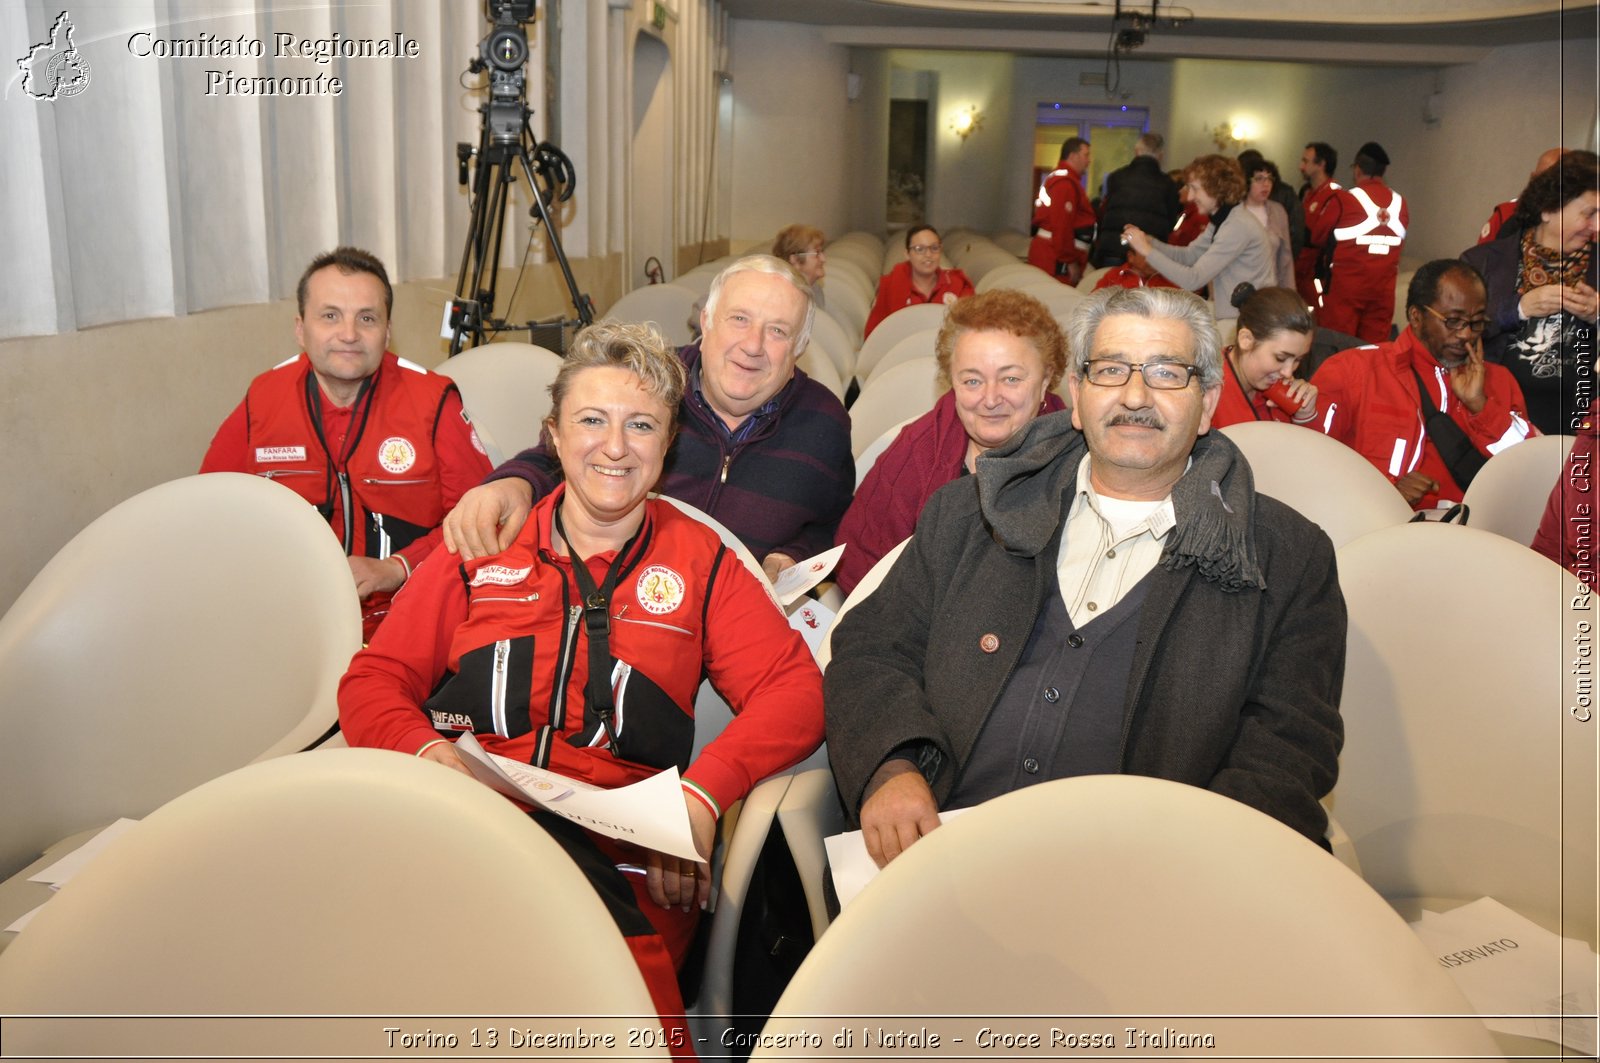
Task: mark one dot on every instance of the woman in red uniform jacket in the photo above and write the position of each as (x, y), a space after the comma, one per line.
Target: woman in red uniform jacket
(1274, 337)
(918, 279)
(580, 648)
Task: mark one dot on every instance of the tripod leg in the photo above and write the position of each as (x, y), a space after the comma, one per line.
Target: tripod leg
(580, 301)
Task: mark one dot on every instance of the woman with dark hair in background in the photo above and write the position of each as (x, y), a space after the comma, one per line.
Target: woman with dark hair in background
(1235, 248)
(1541, 274)
(1261, 179)
(918, 279)
(1274, 336)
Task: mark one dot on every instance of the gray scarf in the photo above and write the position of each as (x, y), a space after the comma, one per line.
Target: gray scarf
(1022, 485)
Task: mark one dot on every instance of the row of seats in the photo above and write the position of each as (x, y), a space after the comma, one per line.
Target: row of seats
(1416, 821)
(271, 891)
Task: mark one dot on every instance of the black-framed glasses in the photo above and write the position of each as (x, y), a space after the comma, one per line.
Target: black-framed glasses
(1161, 376)
(1474, 325)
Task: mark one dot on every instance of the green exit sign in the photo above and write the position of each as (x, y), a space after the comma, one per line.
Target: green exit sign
(658, 15)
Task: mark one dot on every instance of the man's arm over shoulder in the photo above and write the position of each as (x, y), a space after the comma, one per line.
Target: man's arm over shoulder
(462, 465)
(1285, 757)
(873, 691)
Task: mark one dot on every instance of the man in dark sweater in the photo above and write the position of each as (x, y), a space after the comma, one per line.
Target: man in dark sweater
(1139, 194)
(761, 447)
(1106, 594)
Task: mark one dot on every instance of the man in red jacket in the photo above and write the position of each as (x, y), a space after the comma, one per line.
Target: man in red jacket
(1427, 410)
(1504, 211)
(1368, 234)
(380, 446)
(1319, 200)
(1064, 216)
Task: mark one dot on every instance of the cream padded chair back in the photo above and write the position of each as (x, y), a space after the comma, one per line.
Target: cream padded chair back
(1320, 478)
(506, 390)
(894, 328)
(869, 457)
(868, 584)
(1058, 298)
(866, 259)
(831, 336)
(817, 365)
(1464, 773)
(1509, 494)
(908, 390)
(851, 271)
(1012, 275)
(198, 626)
(847, 306)
(1014, 242)
(336, 882)
(919, 344)
(1149, 898)
(666, 306)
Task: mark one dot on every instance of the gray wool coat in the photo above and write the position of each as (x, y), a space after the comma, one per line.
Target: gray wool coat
(1241, 640)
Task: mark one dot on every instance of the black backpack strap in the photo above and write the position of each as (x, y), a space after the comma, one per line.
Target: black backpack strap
(1460, 454)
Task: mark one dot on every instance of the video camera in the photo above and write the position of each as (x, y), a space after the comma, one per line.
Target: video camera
(504, 53)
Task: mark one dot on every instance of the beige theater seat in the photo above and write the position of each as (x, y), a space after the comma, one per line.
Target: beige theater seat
(1320, 478)
(198, 626)
(1465, 771)
(1118, 895)
(506, 390)
(335, 882)
(1509, 494)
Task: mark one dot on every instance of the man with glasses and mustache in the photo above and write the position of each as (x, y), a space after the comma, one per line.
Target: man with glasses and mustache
(1426, 409)
(1106, 593)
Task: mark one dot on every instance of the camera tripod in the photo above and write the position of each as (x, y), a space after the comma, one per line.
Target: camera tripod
(505, 143)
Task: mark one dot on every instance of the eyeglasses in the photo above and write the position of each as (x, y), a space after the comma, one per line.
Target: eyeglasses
(1161, 376)
(1459, 324)
(925, 249)
(810, 254)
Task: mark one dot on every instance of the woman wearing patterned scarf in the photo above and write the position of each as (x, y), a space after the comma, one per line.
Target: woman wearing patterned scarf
(1541, 275)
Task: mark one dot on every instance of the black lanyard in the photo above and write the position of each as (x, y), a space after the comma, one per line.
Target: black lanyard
(358, 425)
(597, 624)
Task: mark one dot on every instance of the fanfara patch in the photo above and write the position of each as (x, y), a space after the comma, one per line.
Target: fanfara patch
(500, 575)
(660, 590)
(268, 454)
(396, 454)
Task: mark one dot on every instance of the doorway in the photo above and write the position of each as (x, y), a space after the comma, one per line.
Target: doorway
(650, 231)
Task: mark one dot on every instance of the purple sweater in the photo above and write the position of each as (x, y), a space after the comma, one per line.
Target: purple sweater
(781, 489)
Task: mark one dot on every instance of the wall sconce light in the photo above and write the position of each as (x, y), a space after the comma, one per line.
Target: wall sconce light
(967, 122)
(1233, 134)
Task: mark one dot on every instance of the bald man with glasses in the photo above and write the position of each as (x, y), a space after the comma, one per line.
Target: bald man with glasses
(1426, 410)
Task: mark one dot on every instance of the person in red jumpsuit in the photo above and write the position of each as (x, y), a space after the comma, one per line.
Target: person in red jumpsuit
(1318, 198)
(1377, 399)
(1368, 233)
(1063, 217)
(380, 446)
(1505, 211)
